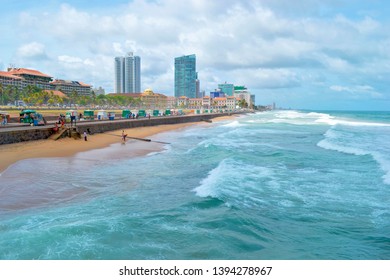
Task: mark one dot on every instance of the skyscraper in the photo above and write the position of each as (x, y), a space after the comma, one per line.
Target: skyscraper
(186, 77)
(128, 74)
(228, 89)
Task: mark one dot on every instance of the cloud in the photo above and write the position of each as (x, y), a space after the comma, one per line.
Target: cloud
(34, 51)
(358, 91)
(270, 45)
(74, 62)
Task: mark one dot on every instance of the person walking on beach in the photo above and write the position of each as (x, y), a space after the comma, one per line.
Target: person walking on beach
(85, 136)
(123, 136)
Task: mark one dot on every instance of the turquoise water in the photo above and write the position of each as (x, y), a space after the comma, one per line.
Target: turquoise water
(272, 185)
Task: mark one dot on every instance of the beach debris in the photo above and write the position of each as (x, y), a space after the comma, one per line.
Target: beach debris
(140, 139)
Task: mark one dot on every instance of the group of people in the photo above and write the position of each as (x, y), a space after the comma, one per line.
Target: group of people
(132, 116)
(61, 120)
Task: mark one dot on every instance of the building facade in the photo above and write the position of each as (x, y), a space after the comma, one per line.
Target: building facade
(147, 99)
(242, 92)
(186, 77)
(9, 80)
(69, 87)
(29, 77)
(119, 75)
(127, 74)
(228, 89)
(20, 78)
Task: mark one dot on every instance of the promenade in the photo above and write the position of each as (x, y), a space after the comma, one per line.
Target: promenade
(15, 133)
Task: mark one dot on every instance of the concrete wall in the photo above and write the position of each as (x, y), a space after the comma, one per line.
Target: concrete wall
(15, 135)
(102, 126)
(20, 135)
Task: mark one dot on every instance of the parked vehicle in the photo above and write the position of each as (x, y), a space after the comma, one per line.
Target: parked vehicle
(31, 117)
(126, 114)
(89, 114)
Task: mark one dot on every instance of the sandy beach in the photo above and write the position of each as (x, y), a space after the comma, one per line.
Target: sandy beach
(12, 153)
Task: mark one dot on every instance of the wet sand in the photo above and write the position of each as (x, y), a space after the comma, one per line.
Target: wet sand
(12, 153)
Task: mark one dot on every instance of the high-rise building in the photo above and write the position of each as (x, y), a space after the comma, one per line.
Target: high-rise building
(128, 74)
(186, 77)
(119, 86)
(243, 93)
(228, 89)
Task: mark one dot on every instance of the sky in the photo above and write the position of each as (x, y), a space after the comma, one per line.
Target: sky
(303, 54)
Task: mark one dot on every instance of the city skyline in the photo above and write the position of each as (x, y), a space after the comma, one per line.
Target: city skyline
(302, 54)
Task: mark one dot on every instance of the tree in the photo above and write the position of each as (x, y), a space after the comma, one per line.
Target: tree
(242, 103)
(54, 99)
(73, 96)
(28, 90)
(101, 99)
(8, 94)
(93, 98)
(83, 100)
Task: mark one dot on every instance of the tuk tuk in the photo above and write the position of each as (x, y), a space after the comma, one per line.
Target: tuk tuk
(31, 117)
(156, 113)
(126, 114)
(167, 112)
(89, 114)
(141, 113)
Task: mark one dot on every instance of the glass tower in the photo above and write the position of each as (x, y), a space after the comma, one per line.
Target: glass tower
(186, 76)
(228, 89)
(128, 74)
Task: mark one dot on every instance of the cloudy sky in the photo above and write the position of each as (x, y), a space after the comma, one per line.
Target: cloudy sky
(303, 54)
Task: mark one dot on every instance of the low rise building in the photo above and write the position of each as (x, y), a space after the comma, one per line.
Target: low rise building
(206, 102)
(30, 77)
(182, 102)
(231, 103)
(153, 100)
(7, 79)
(195, 103)
(69, 87)
(171, 102)
(23, 77)
(219, 103)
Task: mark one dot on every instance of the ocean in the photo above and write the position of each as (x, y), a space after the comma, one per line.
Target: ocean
(290, 185)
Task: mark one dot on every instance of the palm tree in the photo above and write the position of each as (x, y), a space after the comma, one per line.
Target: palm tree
(74, 96)
(242, 103)
(8, 94)
(54, 99)
(101, 99)
(93, 98)
(28, 90)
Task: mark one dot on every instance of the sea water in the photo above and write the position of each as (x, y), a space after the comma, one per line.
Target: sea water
(270, 185)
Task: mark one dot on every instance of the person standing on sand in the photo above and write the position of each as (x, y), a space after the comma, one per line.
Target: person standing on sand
(85, 136)
(123, 136)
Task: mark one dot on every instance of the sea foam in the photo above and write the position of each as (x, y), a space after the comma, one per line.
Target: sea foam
(350, 143)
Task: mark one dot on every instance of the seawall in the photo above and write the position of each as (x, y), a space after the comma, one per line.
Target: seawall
(20, 134)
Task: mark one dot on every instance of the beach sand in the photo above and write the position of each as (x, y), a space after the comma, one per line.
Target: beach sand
(12, 153)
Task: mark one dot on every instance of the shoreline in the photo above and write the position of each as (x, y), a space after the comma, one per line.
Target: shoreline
(67, 147)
